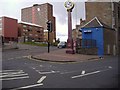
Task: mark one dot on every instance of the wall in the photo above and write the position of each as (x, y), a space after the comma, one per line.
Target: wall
(109, 41)
(40, 14)
(96, 34)
(102, 10)
(88, 51)
(10, 28)
(31, 31)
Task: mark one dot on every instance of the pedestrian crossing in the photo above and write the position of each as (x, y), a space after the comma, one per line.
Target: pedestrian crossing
(12, 75)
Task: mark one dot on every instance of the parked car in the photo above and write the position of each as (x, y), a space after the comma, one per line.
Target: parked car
(61, 44)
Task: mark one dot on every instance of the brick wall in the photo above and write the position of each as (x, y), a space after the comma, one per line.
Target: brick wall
(102, 10)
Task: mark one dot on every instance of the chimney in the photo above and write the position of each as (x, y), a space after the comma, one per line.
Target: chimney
(81, 21)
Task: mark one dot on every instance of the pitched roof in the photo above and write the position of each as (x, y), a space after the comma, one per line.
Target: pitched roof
(93, 23)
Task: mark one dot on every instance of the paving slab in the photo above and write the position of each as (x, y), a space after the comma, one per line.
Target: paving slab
(60, 55)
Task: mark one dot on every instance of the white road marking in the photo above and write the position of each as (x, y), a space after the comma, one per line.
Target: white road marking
(48, 72)
(10, 58)
(14, 78)
(69, 72)
(35, 85)
(41, 79)
(95, 72)
(19, 57)
(85, 74)
(33, 67)
(41, 65)
(10, 70)
(37, 71)
(24, 56)
(109, 67)
(10, 75)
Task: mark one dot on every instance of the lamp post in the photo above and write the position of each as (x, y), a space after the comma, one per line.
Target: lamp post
(69, 5)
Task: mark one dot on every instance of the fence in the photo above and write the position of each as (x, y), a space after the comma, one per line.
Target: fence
(85, 43)
(86, 46)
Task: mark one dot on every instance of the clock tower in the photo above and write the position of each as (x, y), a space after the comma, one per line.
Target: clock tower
(69, 5)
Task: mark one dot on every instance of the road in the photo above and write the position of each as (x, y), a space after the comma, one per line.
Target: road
(20, 72)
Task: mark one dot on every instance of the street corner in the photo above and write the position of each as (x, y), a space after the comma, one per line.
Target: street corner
(50, 59)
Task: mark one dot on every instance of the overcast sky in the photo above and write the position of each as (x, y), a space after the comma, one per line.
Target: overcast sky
(12, 8)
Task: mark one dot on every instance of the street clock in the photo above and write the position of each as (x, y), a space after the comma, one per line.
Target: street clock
(69, 5)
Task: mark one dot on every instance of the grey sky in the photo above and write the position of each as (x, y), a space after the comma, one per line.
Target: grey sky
(61, 13)
(12, 8)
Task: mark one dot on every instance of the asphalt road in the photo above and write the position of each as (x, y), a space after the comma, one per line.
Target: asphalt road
(20, 72)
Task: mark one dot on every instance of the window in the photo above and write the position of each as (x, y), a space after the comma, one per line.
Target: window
(38, 31)
(0, 23)
(30, 27)
(36, 28)
(24, 34)
(24, 30)
(118, 13)
(30, 34)
(29, 30)
(24, 26)
(0, 26)
(36, 35)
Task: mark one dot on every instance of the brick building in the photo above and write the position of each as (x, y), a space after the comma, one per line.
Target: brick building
(8, 29)
(102, 10)
(96, 34)
(116, 15)
(76, 33)
(108, 13)
(39, 14)
(30, 32)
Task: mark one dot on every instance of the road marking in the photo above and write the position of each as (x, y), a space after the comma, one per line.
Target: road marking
(10, 58)
(48, 72)
(41, 79)
(25, 56)
(10, 70)
(85, 74)
(109, 67)
(35, 85)
(10, 75)
(33, 67)
(14, 78)
(95, 72)
(41, 65)
(69, 72)
(18, 57)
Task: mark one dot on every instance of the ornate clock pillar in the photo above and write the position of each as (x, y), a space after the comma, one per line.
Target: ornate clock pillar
(69, 6)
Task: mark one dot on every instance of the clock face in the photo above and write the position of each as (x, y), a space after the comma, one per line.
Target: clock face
(69, 4)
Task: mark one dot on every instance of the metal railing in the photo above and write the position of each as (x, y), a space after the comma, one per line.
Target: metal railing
(85, 43)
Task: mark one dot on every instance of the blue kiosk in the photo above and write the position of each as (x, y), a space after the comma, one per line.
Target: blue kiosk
(96, 30)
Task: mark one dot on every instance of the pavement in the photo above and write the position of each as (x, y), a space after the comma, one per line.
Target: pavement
(60, 55)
